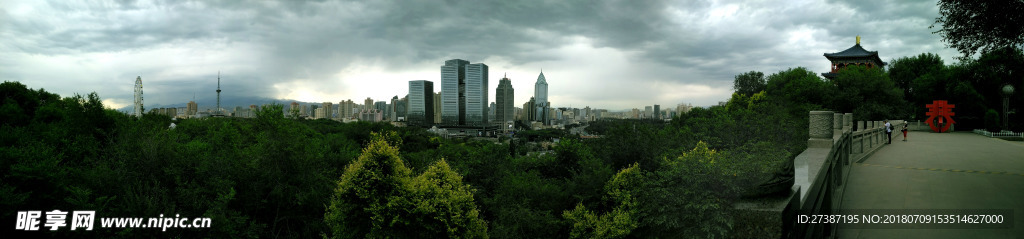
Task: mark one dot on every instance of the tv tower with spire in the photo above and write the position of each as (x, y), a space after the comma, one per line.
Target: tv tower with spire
(218, 112)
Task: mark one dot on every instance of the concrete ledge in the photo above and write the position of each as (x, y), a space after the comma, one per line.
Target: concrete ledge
(820, 143)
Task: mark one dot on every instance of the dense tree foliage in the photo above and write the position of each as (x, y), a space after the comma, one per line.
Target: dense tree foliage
(749, 83)
(973, 85)
(971, 26)
(904, 70)
(378, 196)
(867, 93)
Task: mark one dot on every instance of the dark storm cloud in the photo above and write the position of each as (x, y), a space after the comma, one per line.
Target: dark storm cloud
(685, 42)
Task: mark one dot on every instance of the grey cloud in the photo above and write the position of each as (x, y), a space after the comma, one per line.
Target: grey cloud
(313, 40)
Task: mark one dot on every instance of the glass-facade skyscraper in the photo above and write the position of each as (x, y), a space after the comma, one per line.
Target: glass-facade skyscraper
(503, 99)
(421, 103)
(476, 94)
(540, 95)
(453, 92)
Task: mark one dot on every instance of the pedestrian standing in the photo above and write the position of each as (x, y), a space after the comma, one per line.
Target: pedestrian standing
(888, 131)
(904, 132)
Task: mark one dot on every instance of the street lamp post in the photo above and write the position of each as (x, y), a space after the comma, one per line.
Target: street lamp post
(1007, 91)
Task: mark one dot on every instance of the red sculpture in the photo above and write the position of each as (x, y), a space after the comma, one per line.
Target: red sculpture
(943, 110)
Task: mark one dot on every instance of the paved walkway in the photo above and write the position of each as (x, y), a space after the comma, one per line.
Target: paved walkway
(939, 171)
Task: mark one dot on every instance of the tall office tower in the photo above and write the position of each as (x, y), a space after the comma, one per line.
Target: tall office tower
(490, 112)
(421, 103)
(191, 109)
(453, 92)
(304, 112)
(529, 111)
(477, 94)
(138, 96)
(328, 112)
(368, 103)
(381, 106)
(636, 113)
(648, 112)
(392, 113)
(540, 94)
(437, 108)
(503, 99)
(402, 109)
(657, 112)
(312, 111)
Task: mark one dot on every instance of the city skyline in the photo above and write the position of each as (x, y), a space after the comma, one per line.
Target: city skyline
(607, 55)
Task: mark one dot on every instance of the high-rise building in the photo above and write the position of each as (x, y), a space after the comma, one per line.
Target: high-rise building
(138, 97)
(368, 103)
(421, 103)
(490, 113)
(191, 109)
(657, 112)
(529, 111)
(683, 108)
(341, 110)
(392, 113)
(328, 112)
(540, 94)
(437, 108)
(345, 109)
(477, 94)
(319, 113)
(382, 106)
(453, 92)
(293, 108)
(503, 99)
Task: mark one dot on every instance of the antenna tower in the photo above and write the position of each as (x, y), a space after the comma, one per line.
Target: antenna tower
(218, 92)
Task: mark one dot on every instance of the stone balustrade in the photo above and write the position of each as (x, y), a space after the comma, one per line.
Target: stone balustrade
(822, 169)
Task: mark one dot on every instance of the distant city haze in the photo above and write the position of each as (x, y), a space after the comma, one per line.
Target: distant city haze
(606, 55)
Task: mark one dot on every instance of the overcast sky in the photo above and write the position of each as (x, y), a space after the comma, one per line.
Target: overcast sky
(604, 54)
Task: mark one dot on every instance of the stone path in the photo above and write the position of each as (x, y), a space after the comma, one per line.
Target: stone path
(939, 171)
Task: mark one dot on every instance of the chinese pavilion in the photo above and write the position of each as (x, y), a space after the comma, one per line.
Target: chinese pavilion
(855, 55)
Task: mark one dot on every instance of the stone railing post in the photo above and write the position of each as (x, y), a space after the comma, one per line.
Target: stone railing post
(870, 134)
(848, 121)
(820, 129)
(860, 125)
(837, 124)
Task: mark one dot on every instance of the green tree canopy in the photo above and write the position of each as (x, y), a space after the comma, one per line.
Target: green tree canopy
(378, 196)
(749, 83)
(868, 93)
(904, 70)
(970, 26)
